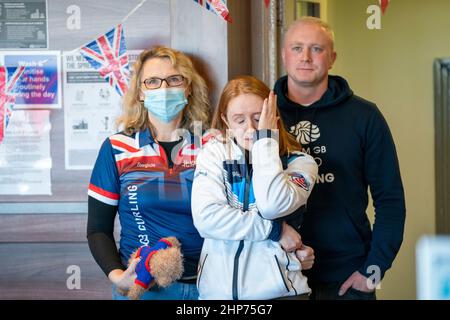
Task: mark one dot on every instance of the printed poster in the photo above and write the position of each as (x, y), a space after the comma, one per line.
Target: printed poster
(40, 86)
(23, 24)
(25, 161)
(91, 107)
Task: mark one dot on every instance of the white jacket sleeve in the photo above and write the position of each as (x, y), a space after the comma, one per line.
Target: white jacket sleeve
(280, 192)
(213, 217)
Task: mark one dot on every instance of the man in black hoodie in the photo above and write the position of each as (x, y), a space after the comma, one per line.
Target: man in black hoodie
(353, 146)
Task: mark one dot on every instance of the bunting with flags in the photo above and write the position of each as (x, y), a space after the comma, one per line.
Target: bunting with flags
(384, 4)
(7, 98)
(216, 6)
(108, 55)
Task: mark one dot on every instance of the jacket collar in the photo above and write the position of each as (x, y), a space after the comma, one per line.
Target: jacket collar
(146, 138)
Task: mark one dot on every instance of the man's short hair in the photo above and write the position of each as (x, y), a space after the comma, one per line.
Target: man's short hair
(316, 21)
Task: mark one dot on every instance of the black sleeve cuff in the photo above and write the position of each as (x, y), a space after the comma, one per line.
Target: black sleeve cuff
(275, 233)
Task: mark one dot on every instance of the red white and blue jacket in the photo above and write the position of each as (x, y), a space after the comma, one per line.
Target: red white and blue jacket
(152, 198)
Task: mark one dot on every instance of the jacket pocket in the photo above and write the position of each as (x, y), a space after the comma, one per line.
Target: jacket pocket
(360, 224)
(214, 278)
(322, 228)
(281, 273)
(200, 271)
(263, 274)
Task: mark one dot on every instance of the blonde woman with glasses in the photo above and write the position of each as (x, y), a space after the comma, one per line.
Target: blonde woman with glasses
(145, 172)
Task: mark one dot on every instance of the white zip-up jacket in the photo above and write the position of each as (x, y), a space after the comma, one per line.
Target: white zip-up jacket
(234, 209)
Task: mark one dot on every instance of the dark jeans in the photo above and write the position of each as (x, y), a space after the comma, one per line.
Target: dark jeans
(329, 291)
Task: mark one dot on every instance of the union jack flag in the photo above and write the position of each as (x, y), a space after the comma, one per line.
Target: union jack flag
(300, 180)
(7, 98)
(216, 6)
(108, 55)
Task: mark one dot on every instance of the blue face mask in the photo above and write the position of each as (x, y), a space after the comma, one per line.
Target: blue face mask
(165, 103)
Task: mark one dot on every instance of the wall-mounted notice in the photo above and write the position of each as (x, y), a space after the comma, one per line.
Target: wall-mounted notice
(25, 161)
(23, 24)
(40, 86)
(91, 107)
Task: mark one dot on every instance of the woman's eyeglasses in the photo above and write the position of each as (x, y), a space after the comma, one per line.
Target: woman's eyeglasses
(155, 83)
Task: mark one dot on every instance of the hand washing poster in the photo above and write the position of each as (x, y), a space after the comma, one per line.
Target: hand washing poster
(40, 85)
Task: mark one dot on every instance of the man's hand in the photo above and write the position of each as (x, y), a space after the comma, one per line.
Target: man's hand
(356, 281)
(306, 256)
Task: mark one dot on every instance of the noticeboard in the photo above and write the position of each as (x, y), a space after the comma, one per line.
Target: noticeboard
(64, 108)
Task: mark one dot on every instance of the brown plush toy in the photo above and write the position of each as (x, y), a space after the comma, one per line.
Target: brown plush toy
(161, 264)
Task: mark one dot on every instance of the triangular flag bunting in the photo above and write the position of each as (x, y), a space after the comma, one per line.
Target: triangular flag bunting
(7, 98)
(216, 6)
(383, 4)
(108, 55)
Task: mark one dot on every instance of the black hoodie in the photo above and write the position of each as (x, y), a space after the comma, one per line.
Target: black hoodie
(353, 146)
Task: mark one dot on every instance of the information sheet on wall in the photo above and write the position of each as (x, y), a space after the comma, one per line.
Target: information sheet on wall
(25, 160)
(23, 24)
(91, 108)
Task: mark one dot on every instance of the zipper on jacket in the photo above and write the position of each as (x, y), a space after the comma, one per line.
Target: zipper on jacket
(248, 174)
(236, 269)
(287, 268)
(241, 243)
(165, 158)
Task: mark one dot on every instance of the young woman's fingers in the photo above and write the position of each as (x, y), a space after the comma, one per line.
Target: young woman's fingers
(265, 106)
(275, 103)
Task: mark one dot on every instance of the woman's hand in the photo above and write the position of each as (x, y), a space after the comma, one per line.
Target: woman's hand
(124, 279)
(290, 239)
(306, 256)
(268, 118)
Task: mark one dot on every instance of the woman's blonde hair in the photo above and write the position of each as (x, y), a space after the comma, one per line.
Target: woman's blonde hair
(135, 116)
(250, 85)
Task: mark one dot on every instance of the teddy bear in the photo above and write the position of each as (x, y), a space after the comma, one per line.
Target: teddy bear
(161, 264)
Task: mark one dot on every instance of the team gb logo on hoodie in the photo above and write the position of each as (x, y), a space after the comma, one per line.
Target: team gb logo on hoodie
(306, 132)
